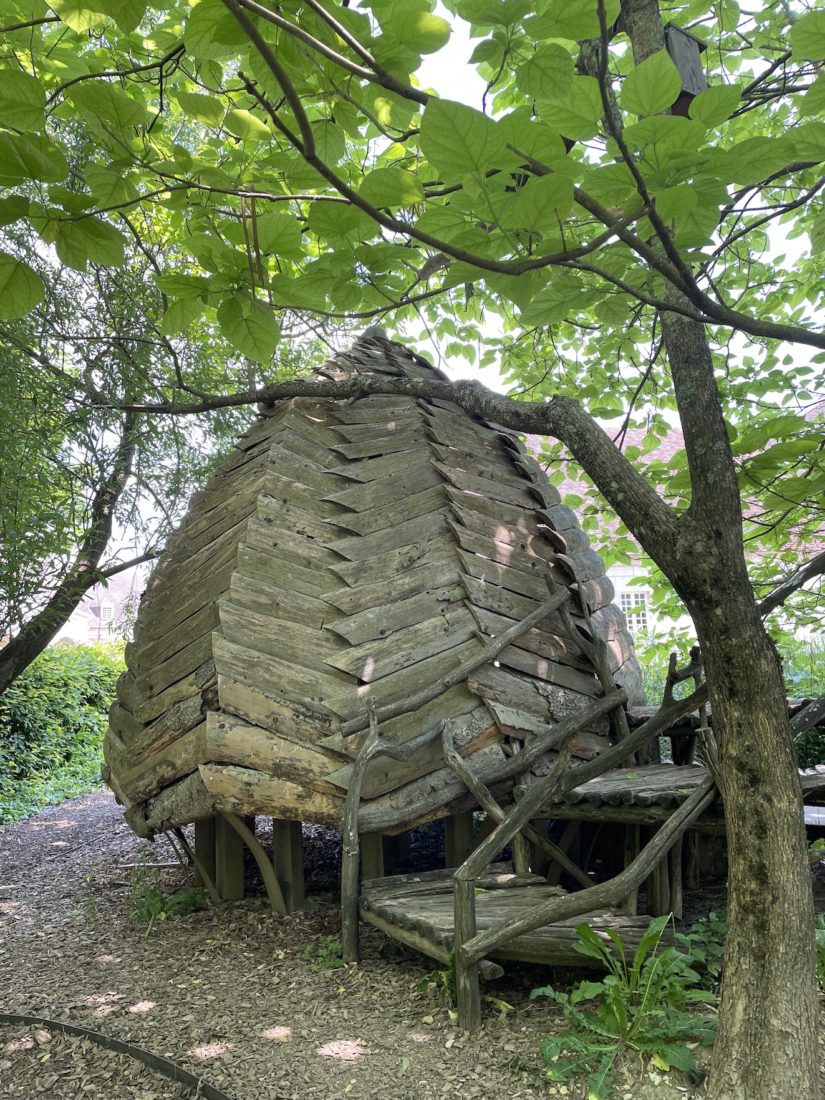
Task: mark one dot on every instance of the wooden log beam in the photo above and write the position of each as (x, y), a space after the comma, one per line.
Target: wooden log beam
(598, 897)
(229, 877)
(488, 652)
(288, 861)
(494, 811)
(437, 789)
(273, 888)
(351, 848)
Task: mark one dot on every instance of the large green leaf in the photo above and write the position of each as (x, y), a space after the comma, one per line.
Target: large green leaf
(279, 234)
(715, 105)
(652, 86)
(578, 19)
(202, 108)
(458, 140)
(126, 13)
(80, 15)
(421, 31)
(548, 73)
(31, 157)
(212, 32)
(391, 186)
(20, 288)
(105, 101)
(22, 100)
(245, 125)
(249, 325)
(576, 114)
(88, 239)
(808, 37)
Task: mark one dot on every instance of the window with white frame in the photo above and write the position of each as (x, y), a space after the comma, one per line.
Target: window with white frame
(634, 605)
(107, 613)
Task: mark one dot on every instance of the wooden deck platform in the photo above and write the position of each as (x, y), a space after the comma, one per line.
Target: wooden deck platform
(417, 910)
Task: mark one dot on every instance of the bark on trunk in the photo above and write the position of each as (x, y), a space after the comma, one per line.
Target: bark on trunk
(766, 1045)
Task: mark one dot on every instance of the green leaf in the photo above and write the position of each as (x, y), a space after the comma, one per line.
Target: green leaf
(459, 140)
(548, 73)
(578, 19)
(651, 87)
(108, 187)
(420, 31)
(250, 326)
(245, 125)
(78, 14)
(22, 100)
(808, 37)
(813, 102)
(279, 234)
(212, 32)
(538, 205)
(715, 105)
(13, 208)
(104, 101)
(202, 108)
(20, 288)
(31, 157)
(78, 242)
(180, 315)
(182, 286)
(576, 114)
(126, 13)
(391, 186)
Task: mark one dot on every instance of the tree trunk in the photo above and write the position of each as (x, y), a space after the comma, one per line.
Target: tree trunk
(766, 1045)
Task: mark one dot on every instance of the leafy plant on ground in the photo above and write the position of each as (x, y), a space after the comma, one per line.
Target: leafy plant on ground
(149, 903)
(704, 943)
(641, 1004)
(325, 954)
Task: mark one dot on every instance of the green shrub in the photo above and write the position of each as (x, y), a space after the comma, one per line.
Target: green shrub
(52, 722)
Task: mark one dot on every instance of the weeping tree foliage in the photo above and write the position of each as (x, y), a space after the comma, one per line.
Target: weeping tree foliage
(630, 237)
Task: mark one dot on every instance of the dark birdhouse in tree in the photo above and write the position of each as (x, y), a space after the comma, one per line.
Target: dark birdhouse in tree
(686, 51)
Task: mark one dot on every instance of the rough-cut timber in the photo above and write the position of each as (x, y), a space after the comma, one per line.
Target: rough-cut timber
(348, 551)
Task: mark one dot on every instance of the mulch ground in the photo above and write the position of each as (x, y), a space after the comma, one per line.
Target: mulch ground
(234, 994)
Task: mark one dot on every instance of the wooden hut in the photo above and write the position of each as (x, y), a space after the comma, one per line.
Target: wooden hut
(347, 552)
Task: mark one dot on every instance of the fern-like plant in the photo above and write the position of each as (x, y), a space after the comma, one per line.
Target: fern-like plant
(641, 1004)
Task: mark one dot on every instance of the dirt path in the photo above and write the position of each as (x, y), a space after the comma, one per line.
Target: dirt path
(227, 993)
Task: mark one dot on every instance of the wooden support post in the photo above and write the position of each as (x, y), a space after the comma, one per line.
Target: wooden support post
(288, 861)
(540, 860)
(228, 861)
(569, 845)
(205, 848)
(458, 838)
(692, 875)
(396, 852)
(676, 905)
(632, 847)
(468, 989)
(372, 855)
(658, 887)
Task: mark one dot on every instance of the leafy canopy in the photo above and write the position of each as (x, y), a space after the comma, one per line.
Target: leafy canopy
(286, 159)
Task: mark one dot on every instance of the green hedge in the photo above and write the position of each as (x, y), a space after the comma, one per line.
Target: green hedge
(52, 722)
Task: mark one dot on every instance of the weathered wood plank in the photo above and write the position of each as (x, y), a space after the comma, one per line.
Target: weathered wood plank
(247, 791)
(285, 544)
(272, 674)
(197, 681)
(378, 519)
(406, 533)
(498, 490)
(415, 478)
(291, 517)
(474, 731)
(375, 660)
(380, 427)
(293, 440)
(530, 552)
(367, 470)
(481, 463)
(539, 697)
(174, 638)
(185, 801)
(519, 723)
(291, 718)
(166, 616)
(379, 622)
(288, 641)
(502, 601)
(260, 565)
(268, 598)
(379, 409)
(394, 563)
(290, 491)
(304, 471)
(288, 860)
(230, 740)
(412, 581)
(545, 643)
(400, 685)
(402, 440)
(176, 760)
(176, 667)
(168, 727)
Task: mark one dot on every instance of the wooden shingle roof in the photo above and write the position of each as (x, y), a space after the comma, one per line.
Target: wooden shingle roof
(346, 551)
